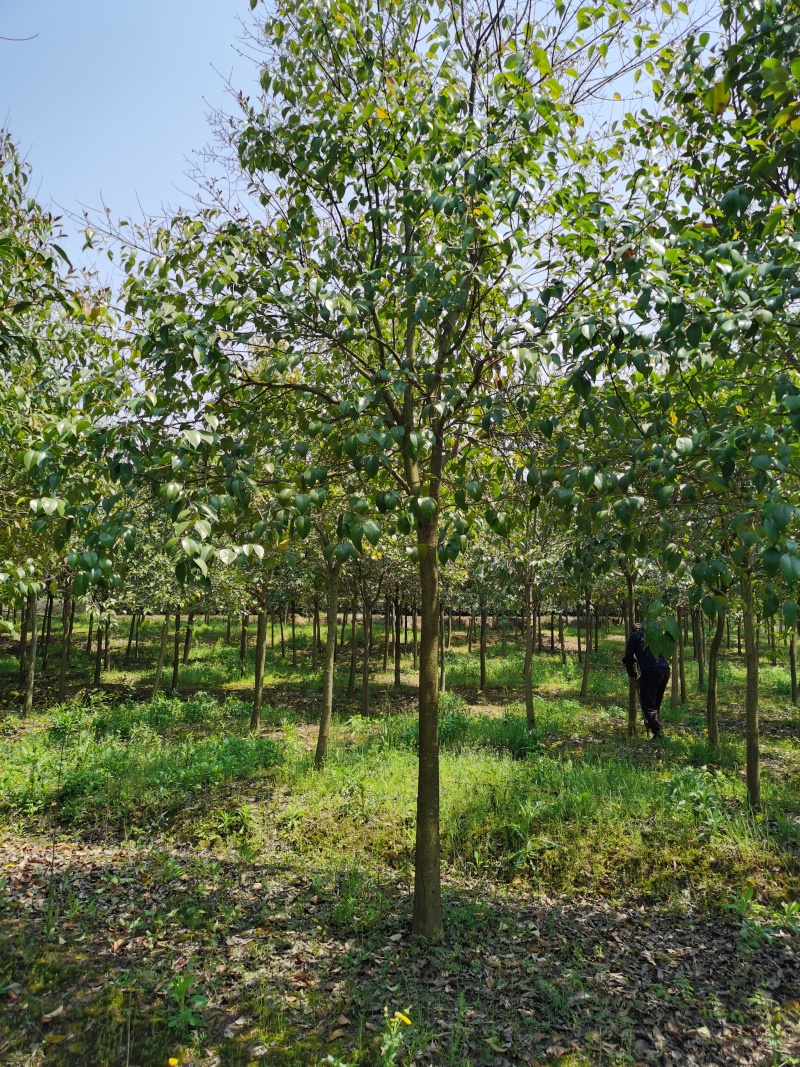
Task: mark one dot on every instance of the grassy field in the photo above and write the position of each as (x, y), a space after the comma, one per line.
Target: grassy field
(176, 888)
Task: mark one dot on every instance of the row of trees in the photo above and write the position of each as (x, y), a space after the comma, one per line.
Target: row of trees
(452, 296)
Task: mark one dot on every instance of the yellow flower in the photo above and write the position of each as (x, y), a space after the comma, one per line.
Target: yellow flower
(403, 1018)
(172, 1062)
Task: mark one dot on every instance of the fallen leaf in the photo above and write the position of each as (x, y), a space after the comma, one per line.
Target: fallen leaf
(337, 1034)
(342, 1021)
(53, 1014)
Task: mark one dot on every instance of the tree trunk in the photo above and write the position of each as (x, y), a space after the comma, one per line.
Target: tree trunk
(701, 652)
(728, 632)
(397, 627)
(414, 649)
(449, 627)
(675, 681)
(470, 631)
(321, 753)
(48, 628)
(23, 638)
(483, 650)
(632, 692)
(107, 657)
(245, 622)
(539, 643)
(528, 672)
(368, 611)
(66, 638)
(89, 636)
(751, 695)
(98, 659)
(280, 627)
(228, 631)
(344, 628)
(386, 631)
(351, 681)
(132, 627)
(442, 675)
(552, 632)
(187, 644)
(711, 699)
(261, 651)
(793, 664)
(294, 637)
(773, 656)
(682, 657)
(587, 659)
(176, 650)
(161, 655)
(427, 873)
(578, 631)
(561, 643)
(738, 637)
(31, 672)
(139, 620)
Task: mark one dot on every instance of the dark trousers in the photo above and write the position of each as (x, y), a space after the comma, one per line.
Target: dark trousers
(652, 686)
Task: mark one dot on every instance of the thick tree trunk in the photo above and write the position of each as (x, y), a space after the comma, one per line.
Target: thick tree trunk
(351, 681)
(66, 639)
(427, 874)
(161, 655)
(483, 650)
(528, 672)
(31, 671)
(261, 651)
(187, 644)
(711, 699)
(397, 628)
(321, 753)
(751, 695)
(587, 659)
(632, 693)
(176, 650)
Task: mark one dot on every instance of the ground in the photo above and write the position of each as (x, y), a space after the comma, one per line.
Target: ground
(175, 887)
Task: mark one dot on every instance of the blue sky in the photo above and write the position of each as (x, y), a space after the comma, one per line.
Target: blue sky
(110, 99)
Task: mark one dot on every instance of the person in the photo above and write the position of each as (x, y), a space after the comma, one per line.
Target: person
(654, 675)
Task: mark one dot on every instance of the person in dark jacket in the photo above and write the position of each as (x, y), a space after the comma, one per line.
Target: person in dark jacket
(654, 675)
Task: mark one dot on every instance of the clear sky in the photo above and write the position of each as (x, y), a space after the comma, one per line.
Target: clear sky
(110, 98)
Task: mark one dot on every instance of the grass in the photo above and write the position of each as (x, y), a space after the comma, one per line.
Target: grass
(184, 810)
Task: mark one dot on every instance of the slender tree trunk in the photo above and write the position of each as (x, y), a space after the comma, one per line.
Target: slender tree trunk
(414, 642)
(632, 693)
(682, 657)
(578, 631)
(351, 681)
(773, 656)
(31, 672)
(386, 630)
(728, 632)
(280, 626)
(294, 637)
(427, 874)
(107, 657)
(162, 650)
(675, 681)
(711, 699)
(552, 632)
(442, 676)
(228, 630)
(245, 622)
(272, 627)
(397, 628)
(483, 649)
(596, 644)
(470, 632)
(131, 628)
(321, 753)
(98, 659)
(751, 695)
(187, 644)
(261, 651)
(561, 642)
(176, 650)
(738, 637)
(528, 672)
(89, 636)
(587, 659)
(139, 620)
(368, 612)
(701, 652)
(503, 631)
(344, 627)
(449, 627)
(48, 629)
(539, 642)
(23, 638)
(793, 663)
(69, 619)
